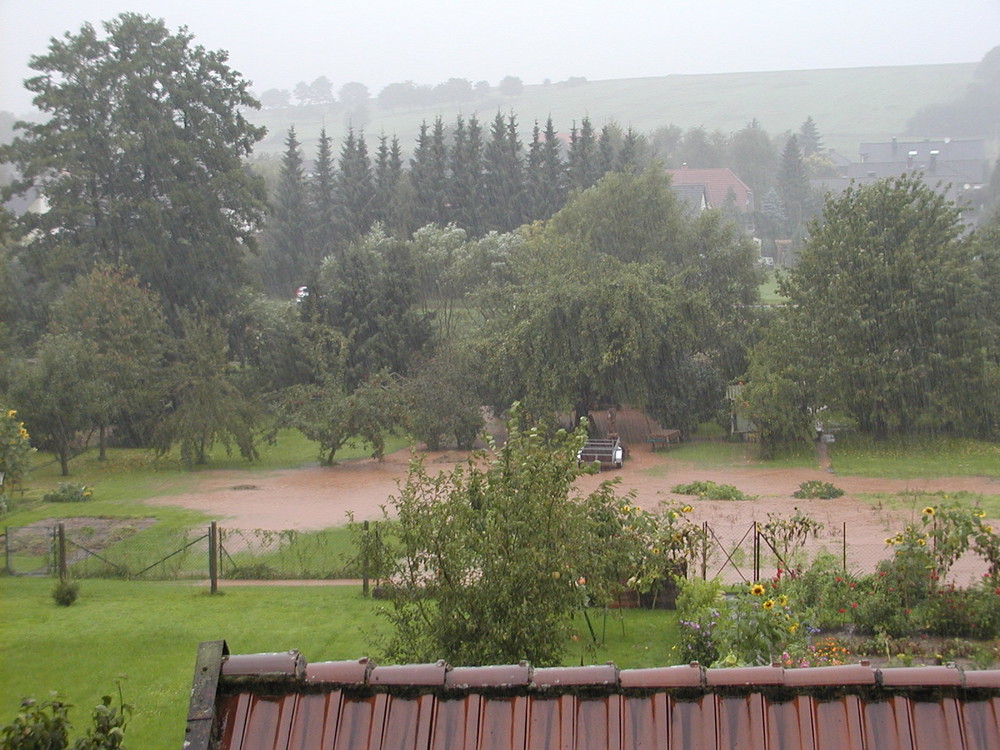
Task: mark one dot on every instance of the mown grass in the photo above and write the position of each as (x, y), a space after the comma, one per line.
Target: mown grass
(150, 632)
(914, 458)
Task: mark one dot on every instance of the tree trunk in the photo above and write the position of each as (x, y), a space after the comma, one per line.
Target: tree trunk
(102, 432)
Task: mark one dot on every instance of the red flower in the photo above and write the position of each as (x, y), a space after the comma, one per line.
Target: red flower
(838, 579)
(841, 610)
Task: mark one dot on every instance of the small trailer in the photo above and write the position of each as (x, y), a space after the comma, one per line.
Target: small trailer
(609, 452)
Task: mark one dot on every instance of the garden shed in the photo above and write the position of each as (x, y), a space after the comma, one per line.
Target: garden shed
(279, 701)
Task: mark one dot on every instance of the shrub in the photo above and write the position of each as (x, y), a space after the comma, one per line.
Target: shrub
(69, 492)
(45, 726)
(66, 592)
(966, 613)
(709, 490)
(758, 627)
(815, 489)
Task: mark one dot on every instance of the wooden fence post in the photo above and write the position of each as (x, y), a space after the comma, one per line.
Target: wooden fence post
(61, 551)
(213, 556)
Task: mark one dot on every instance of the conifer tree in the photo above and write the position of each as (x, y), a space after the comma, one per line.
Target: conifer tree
(465, 188)
(355, 186)
(582, 156)
(503, 175)
(285, 257)
(388, 171)
(553, 172)
(809, 138)
(322, 184)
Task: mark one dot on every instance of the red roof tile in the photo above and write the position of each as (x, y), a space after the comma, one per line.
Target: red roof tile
(717, 183)
(353, 706)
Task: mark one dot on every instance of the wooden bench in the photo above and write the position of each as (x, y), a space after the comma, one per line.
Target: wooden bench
(665, 439)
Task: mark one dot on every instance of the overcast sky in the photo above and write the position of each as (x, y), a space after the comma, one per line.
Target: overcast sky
(281, 42)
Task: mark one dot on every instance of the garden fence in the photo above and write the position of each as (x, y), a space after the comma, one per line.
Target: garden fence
(734, 554)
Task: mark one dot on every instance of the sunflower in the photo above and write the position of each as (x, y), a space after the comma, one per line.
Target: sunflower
(757, 590)
(768, 604)
(686, 509)
(928, 511)
(783, 600)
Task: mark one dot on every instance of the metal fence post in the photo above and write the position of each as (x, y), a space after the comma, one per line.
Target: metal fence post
(704, 550)
(844, 563)
(756, 551)
(365, 547)
(213, 556)
(61, 551)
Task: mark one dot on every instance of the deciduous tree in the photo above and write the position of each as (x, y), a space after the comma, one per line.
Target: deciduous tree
(139, 157)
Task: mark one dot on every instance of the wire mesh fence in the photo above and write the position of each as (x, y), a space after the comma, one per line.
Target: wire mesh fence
(131, 549)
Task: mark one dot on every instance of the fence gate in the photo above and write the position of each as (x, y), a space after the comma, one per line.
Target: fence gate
(731, 559)
(29, 550)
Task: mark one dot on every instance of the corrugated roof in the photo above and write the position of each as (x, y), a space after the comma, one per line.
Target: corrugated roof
(278, 702)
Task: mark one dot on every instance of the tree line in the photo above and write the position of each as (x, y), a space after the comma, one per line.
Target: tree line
(482, 272)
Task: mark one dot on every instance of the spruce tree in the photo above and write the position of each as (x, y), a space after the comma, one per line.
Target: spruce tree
(582, 156)
(809, 138)
(553, 173)
(466, 166)
(355, 186)
(323, 238)
(388, 171)
(285, 257)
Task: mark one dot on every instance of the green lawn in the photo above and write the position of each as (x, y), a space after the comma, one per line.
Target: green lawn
(914, 458)
(149, 632)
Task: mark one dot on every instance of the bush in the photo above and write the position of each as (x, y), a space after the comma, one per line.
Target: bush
(815, 489)
(965, 613)
(66, 592)
(709, 490)
(45, 726)
(69, 492)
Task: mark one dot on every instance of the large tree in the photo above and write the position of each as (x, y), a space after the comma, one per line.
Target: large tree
(140, 158)
(897, 299)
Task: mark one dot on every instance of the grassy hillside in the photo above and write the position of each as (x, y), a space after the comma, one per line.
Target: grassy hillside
(849, 105)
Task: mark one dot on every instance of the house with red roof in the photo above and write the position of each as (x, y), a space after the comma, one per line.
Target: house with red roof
(722, 189)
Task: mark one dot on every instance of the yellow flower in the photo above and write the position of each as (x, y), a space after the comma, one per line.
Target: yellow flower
(757, 590)
(793, 627)
(890, 540)
(783, 600)
(768, 604)
(987, 528)
(928, 511)
(656, 550)
(11, 413)
(979, 513)
(686, 509)
(922, 542)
